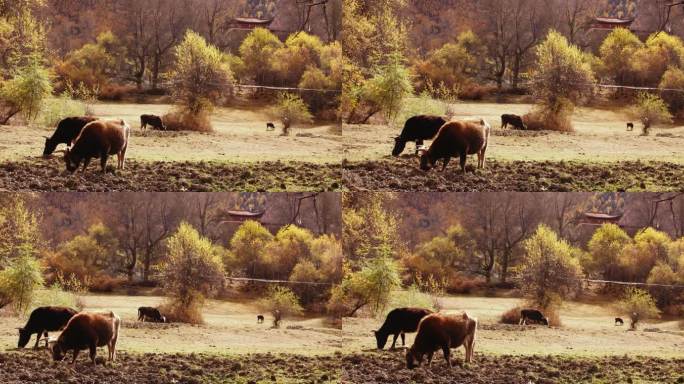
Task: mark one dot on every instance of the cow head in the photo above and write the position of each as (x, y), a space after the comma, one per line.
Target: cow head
(71, 162)
(399, 145)
(545, 321)
(413, 358)
(380, 339)
(163, 319)
(426, 161)
(50, 146)
(56, 350)
(24, 337)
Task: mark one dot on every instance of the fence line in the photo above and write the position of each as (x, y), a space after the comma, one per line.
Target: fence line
(276, 281)
(273, 88)
(633, 283)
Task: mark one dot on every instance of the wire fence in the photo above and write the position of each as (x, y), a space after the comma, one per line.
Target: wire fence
(269, 281)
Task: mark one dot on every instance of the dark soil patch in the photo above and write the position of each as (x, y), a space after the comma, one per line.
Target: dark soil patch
(404, 174)
(28, 366)
(50, 175)
(390, 368)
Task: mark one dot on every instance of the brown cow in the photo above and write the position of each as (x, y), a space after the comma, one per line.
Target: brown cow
(437, 331)
(88, 331)
(99, 139)
(457, 138)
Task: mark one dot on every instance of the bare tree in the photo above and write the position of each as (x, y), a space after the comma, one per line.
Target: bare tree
(529, 25)
(497, 14)
(168, 25)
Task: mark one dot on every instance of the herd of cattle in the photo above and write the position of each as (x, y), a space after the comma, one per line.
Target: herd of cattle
(84, 330)
(89, 138)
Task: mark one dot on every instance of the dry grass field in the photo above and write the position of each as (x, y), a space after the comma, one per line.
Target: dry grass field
(587, 348)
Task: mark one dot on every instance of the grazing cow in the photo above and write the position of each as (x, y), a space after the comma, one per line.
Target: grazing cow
(260, 319)
(417, 128)
(88, 331)
(42, 320)
(270, 127)
(514, 120)
(150, 314)
(152, 120)
(457, 138)
(67, 131)
(437, 331)
(99, 139)
(630, 126)
(619, 321)
(534, 315)
(398, 322)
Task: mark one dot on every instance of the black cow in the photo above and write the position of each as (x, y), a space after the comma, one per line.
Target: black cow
(260, 319)
(514, 120)
(153, 120)
(150, 314)
(67, 131)
(42, 320)
(270, 127)
(619, 321)
(630, 126)
(417, 128)
(534, 315)
(398, 322)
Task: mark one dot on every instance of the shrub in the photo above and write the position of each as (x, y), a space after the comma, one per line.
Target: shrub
(183, 120)
(56, 295)
(650, 110)
(673, 79)
(192, 270)
(410, 297)
(562, 78)
(178, 312)
(106, 283)
(550, 270)
(547, 118)
(617, 53)
(291, 109)
(639, 305)
(424, 104)
(512, 316)
(247, 245)
(19, 283)
(388, 87)
(256, 52)
(474, 91)
(461, 284)
(24, 93)
(201, 75)
(116, 92)
(281, 302)
(58, 108)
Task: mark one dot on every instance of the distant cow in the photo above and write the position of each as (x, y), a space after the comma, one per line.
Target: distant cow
(99, 139)
(66, 132)
(270, 127)
(534, 315)
(260, 319)
(417, 128)
(619, 321)
(630, 126)
(457, 138)
(514, 120)
(88, 331)
(398, 322)
(150, 314)
(437, 331)
(153, 120)
(42, 320)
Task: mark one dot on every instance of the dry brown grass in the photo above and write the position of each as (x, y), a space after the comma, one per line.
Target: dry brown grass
(177, 313)
(180, 120)
(540, 120)
(512, 316)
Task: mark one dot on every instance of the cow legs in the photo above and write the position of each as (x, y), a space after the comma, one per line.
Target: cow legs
(93, 352)
(429, 358)
(76, 351)
(40, 333)
(394, 340)
(86, 161)
(447, 354)
(403, 339)
(463, 159)
(103, 162)
(446, 162)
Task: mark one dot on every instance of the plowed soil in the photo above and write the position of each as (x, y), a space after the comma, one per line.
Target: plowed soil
(404, 174)
(388, 367)
(50, 175)
(28, 366)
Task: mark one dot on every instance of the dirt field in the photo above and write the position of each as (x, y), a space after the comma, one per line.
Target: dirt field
(51, 175)
(404, 174)
(230, 328)
(36, 367)
(239, 136)
(600, 136)
(600, 156)
(587, 348)
(239, 156)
